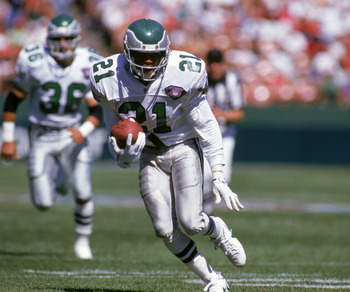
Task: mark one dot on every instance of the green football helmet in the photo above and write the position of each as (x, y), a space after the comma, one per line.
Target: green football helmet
(146, 39)
(63, 26)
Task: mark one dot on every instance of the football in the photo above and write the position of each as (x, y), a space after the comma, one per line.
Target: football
(122, 129)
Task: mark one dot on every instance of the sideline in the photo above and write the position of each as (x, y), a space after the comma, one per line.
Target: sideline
(249, 204)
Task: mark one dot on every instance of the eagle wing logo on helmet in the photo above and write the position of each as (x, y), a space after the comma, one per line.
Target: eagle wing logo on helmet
(175, 92)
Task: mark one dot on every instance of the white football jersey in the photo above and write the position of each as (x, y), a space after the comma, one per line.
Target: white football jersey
(55, 93)
(162, 107)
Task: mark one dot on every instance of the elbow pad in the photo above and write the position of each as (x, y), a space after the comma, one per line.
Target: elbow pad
(96, 111)
(12, 102)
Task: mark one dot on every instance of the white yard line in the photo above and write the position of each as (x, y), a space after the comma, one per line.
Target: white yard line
(309, 281)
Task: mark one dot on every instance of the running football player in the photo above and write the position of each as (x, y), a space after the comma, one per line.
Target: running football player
(56, 80)
(164, 91)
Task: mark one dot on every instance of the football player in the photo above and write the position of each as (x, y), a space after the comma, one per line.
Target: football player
(226, 99)
(56, 80)
(164, 91)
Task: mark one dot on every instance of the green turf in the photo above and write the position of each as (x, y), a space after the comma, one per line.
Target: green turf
(292, 182)
(307, 183)
(286, 250)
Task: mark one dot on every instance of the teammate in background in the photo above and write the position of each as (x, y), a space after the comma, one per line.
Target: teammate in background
(164, 90)
(56, 79)
(227, 102)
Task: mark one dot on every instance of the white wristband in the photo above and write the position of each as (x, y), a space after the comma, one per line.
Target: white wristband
(86, 128)
(217, 171)
(8, 131)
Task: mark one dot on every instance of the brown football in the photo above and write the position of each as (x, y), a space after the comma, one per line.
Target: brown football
(122, 129)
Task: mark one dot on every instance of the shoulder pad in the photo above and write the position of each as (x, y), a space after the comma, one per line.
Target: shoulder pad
(32, 55)
(90, 54)
(186, 62)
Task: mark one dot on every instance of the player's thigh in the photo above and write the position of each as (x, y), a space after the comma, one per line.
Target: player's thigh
(155, 189)
(42, 167)
(188, 184)
(40, 160)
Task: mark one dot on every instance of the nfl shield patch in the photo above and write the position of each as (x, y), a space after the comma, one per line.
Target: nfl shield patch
(175, 92)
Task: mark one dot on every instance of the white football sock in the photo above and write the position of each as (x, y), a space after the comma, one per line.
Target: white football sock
(201, 267)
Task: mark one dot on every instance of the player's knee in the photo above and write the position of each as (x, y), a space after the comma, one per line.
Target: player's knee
(191, 227)
(42, 206)
(163, 231)
(82, 192)
(194, 225)
(82, 201)
(41, 202)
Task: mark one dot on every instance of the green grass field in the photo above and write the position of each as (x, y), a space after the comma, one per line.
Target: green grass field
(295, 230)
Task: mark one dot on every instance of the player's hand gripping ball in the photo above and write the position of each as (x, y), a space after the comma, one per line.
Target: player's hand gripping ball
(122, 129)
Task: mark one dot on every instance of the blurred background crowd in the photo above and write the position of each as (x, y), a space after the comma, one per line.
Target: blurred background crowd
(286, 51)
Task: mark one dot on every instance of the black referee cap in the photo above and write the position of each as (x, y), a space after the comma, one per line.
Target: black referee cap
(214, 56)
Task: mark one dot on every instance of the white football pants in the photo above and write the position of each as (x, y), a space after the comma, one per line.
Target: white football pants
(171, 187)
(48, 150)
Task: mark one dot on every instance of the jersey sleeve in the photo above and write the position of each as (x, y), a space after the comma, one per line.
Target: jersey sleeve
(99, 87)
(97, 90)
(92, 56)
(204, 122)
(208, 131)
(29, 57)
(197, 83)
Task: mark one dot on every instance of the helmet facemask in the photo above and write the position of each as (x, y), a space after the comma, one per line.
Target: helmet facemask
(136, 60)
(62, 49)
(63, 37)
(146, 49)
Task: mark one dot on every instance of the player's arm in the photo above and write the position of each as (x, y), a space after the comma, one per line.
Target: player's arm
(208, 130)
(9, 115)
(90, 124)
(95, 111)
